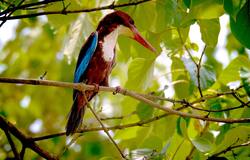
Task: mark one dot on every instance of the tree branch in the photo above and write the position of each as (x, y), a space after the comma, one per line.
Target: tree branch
(236, 97)
(136, 124)
(28, 6)
(230, 148)
(12, 144)
(117, 117)
(83, 87)
(210, 96)
(27, 142)
(64, 12)
(103, 127)
(220, 110)
(198, 66)
(11, 12)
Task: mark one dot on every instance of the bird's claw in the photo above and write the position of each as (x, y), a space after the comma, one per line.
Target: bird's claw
(96, 87)
(117, 90)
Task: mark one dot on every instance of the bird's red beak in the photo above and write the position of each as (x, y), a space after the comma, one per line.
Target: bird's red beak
(141, 40)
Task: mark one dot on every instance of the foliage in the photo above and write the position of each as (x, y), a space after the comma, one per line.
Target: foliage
(51, 43)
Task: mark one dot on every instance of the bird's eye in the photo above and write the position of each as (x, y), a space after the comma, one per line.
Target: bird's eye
(131, 21)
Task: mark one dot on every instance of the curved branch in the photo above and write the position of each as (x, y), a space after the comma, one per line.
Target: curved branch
(64, 11)
(83, 87)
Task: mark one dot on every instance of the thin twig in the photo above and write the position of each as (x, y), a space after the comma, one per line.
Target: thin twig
(117, 117)
(63, 11)
(198, 66)
(22, 151)
(218, 94)
(12, 144)
(230, 148)
(28, 6)
(220, 110)
(136, 124)
(73, 140)
(104, 128)
(236, 97)
(111, 118)
(8, 16)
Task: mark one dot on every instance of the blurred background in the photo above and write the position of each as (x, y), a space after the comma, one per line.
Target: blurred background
(31, 47)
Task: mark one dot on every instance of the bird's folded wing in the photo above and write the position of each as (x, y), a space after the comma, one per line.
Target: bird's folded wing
(85, 56)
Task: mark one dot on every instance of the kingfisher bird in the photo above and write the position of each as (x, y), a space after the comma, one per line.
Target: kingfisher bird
(96, 60)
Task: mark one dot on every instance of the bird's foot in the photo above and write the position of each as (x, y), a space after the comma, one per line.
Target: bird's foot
(96, 87)
(117, 90)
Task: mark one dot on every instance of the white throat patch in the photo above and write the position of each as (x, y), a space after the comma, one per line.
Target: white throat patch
(110, 40)
(108, 45)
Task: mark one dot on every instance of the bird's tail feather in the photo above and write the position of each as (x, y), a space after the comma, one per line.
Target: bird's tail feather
(75, 115)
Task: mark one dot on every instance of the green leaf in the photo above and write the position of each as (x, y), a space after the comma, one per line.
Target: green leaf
(246, 113)
(194, 128)
(172, 39)
(202, 144)
(222, 132)
(166, 14)
(245, 79)
(241, 26)
(144, 111)
(205, 9)
(147, 10)
(107, 158)
(194, 47)
(78, 30)
(124, 50)
(152, 141)
(180, 146)
(165, 127)
(187, 3)
(211, 61)
(232, 7)
(234, 45)
(64, 20)
(209, 31)
(129, 133)
(180, 78)
(215, 104)
(145, 153)
(207, 74)
(235, 136)
(140, 72)
(231, 72)
(182, 127)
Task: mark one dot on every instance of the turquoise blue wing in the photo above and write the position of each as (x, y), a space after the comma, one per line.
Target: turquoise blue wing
(85, 56)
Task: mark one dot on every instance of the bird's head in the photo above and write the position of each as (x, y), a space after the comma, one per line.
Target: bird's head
(124, 24)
